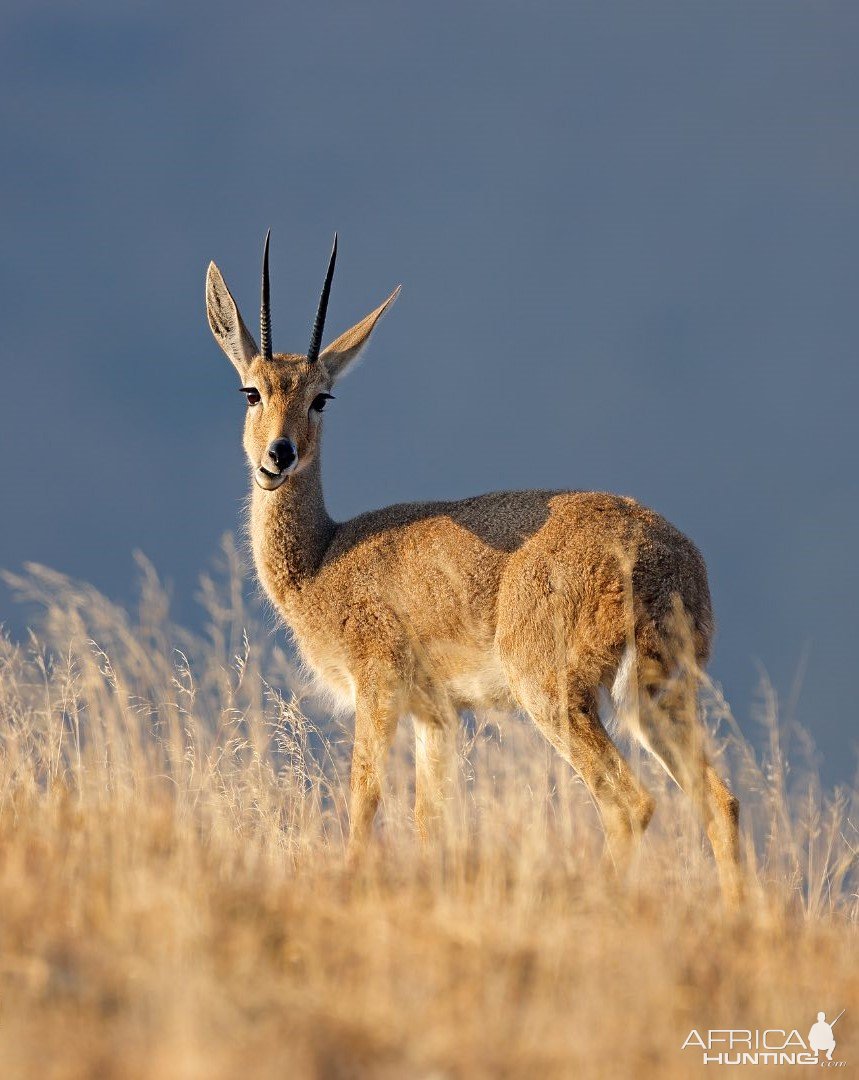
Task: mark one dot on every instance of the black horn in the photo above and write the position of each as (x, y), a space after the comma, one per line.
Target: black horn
(265, 307)
(319, 321)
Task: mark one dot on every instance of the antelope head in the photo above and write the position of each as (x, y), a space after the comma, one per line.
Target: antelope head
(286, 392)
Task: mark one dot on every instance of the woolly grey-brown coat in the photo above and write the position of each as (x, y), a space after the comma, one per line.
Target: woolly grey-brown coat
(532, 600)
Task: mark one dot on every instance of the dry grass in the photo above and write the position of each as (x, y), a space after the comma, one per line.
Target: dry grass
(173, 901)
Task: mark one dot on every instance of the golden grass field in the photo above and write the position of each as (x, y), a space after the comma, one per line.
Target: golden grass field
(173, 899)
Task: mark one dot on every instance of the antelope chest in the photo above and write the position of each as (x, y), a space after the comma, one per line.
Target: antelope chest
(325, 663)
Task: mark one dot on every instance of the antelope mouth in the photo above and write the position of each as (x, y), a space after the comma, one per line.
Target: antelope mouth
(268, 480)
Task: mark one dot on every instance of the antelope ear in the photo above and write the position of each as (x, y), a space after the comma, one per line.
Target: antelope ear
(341, 354)
(226, 322)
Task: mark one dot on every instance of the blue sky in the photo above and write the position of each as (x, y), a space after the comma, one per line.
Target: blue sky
(628, 236)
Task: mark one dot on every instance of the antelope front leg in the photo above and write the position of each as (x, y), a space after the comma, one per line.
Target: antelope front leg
(435, 746)
(375, 726)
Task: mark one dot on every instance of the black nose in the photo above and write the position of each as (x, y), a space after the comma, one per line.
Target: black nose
(281, 453)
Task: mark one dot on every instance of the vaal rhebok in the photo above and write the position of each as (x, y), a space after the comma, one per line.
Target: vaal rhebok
(531, 600)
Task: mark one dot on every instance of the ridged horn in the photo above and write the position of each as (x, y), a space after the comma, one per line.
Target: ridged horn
(265, 307)
(319, 321)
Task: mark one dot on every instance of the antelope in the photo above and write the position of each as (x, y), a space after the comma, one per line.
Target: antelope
(530, 600)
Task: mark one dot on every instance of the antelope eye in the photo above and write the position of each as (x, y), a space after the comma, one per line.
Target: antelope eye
(320, 401)
(253, 395)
